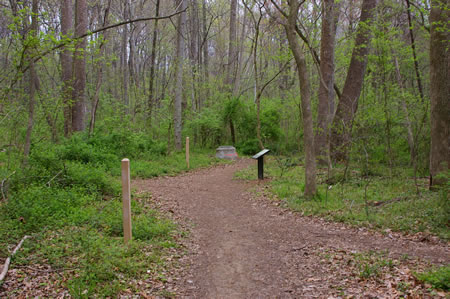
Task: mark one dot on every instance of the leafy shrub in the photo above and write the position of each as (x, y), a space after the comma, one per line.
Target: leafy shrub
(128, 144)
(270, 125)
(249, 147)
(91, 178)
(209, 127)
(40, 207)
(76, 149)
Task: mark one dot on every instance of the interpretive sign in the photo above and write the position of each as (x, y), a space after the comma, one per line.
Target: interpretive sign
(260, 157)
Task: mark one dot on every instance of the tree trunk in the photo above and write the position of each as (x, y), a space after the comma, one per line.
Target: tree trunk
(439, 93)
(33, 78)
(205, 54)
(101, 66)
(151, 95)
(124, 61)
(330, 15)
(177, 119)
(232, 57)
(348, 104)
(66, 65)
(79, 67)
(413, 48)
(193, 51)
(408, 125)
(239, 70)
(305, 93)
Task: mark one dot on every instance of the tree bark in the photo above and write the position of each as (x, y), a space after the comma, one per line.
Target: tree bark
(66, 65)
(177, 119)
(330, 15)
(305, 93)
(79, 68)
(348, 104)
(439, 93)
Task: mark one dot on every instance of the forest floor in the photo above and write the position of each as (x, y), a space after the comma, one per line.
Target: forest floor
(242, 244)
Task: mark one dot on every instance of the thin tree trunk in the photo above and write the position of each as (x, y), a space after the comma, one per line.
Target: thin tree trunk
(151, 93)
(439, 93)
(33, 78)
(205, 54)
(232, 57)
(348, 104)
(178, 125)
(239, 55)
(257, 91)
(96, 98)
(413, 48)
(330, 16)
(305, 93)
(404, 107)
(194, 52)
(79, 67)
(257, 98)
(66, 65)
(124, 61)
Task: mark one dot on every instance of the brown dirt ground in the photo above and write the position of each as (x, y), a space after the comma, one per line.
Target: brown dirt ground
(243, 245)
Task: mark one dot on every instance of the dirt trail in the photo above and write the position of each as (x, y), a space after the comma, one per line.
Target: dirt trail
(244, 247)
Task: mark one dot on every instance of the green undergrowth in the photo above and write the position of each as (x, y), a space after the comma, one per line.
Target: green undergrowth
(438, 278)
(377, 200)
(67, 196)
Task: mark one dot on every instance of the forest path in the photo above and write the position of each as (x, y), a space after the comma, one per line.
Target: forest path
(242, 246)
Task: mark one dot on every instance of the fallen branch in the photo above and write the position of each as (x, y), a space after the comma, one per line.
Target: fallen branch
(48, 183)
(8, 260)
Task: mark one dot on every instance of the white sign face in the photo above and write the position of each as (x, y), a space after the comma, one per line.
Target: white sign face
(261, 153)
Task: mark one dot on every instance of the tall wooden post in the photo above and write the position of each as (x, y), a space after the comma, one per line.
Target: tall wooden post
(187, 152)
(126, 200)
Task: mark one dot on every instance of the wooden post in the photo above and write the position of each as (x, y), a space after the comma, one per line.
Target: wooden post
(126, 200)
(187, 152)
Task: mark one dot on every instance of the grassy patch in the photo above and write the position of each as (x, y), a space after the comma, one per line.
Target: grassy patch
(68, 198)
(378, 200)
(372, 264)
(438, 278)
(173, 164)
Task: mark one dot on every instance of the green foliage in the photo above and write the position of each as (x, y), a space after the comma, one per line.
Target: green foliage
(39, 208)
(249, 147)
(208, 126)
(439, 277)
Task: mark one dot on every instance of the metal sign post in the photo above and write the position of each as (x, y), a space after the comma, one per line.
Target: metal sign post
(260, 157)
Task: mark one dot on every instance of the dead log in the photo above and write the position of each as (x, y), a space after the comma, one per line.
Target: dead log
(8, 260)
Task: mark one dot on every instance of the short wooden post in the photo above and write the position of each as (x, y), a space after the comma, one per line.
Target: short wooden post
(187, 152)
(126, 200)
